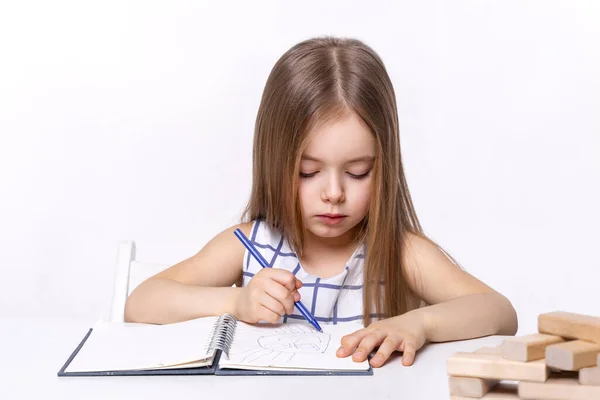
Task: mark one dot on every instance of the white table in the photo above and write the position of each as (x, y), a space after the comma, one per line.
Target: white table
(32, 352)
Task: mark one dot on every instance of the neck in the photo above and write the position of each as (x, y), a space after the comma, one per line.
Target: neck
(317, 245)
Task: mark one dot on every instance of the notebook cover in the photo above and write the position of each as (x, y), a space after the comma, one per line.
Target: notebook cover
(208, 370)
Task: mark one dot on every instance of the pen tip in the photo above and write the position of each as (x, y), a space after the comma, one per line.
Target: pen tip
(321, 330)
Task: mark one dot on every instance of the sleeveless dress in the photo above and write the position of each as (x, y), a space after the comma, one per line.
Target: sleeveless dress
(335, 300)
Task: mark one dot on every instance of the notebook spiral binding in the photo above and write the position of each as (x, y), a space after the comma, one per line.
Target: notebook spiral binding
(222, 334)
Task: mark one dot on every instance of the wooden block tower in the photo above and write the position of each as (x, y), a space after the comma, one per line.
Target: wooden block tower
(559, 362)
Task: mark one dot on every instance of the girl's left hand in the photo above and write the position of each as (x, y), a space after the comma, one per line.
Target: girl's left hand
(404, 333)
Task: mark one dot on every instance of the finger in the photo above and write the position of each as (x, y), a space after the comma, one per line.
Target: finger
(288, 304)
(272, 304)
(410, 349)
(387, 347)
(296, 296)
(401, 346)
(284, 278)
(298, 283)
(350, 342)
(280, 294)
(268, 315)
(374, 338)
(275, 289)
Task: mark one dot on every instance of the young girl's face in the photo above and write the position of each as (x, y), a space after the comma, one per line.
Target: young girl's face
(336, 175)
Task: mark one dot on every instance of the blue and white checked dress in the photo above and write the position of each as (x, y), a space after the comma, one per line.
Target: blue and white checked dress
(334, 300)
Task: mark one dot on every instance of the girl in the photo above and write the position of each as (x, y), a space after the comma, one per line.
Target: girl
(331, 210)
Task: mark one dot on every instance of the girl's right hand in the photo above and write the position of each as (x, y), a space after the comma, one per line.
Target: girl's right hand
(270, 295)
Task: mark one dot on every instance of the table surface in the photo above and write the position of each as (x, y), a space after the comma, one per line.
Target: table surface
(32, 351)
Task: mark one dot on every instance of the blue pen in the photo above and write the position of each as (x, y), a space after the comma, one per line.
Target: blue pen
(263, 263)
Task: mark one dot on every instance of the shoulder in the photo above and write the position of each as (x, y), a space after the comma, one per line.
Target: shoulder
(225, 246)
(422, 257)
(227, 236)
(245, 227)
(216, 264)
(433, 274)
(419, 248)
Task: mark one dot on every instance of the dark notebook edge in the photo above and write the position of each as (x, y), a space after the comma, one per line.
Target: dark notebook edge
(213, 369)
(208, 370)
(229, 372)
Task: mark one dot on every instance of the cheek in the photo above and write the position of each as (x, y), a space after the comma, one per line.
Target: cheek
(304, 194)
(362, 196)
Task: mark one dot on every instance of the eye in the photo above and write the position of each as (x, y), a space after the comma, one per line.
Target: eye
(359, 176)
(307, 175)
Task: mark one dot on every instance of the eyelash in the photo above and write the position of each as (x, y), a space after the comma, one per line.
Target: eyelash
(353, 176)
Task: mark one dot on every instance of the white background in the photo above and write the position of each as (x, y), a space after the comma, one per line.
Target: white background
(134, 120)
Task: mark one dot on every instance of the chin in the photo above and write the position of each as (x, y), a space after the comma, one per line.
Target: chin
(325, 231)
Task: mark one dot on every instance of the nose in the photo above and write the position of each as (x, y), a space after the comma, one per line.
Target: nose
(333, 192)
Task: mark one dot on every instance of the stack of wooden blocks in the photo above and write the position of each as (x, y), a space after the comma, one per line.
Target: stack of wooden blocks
(562, 361)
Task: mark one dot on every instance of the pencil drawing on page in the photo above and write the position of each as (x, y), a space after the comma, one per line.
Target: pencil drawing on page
(285, 343)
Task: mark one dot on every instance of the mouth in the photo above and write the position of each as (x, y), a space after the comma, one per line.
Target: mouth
(331, 219)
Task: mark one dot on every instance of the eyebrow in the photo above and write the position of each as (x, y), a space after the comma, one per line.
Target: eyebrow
(354, 160)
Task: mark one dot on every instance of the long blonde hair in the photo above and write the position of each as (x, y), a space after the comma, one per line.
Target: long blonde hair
(315, 81)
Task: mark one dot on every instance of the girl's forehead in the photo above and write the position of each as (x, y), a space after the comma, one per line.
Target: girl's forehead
(347, 136)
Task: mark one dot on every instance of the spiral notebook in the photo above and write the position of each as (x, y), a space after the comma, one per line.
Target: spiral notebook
(212, 345)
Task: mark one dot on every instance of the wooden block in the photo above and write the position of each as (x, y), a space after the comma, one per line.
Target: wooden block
(463, 386)
(493, 366)
(558, 389)
(589, 376)
(570, 325)
(572, 355)
(503, 391)
(528, 348)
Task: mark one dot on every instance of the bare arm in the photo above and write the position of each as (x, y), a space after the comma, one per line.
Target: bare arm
(462, 307)
(198, 286)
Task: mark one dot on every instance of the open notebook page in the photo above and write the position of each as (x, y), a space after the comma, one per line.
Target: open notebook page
(125, 346)
(295, 346)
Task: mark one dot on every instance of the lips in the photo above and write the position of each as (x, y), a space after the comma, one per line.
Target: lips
(331, 219)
